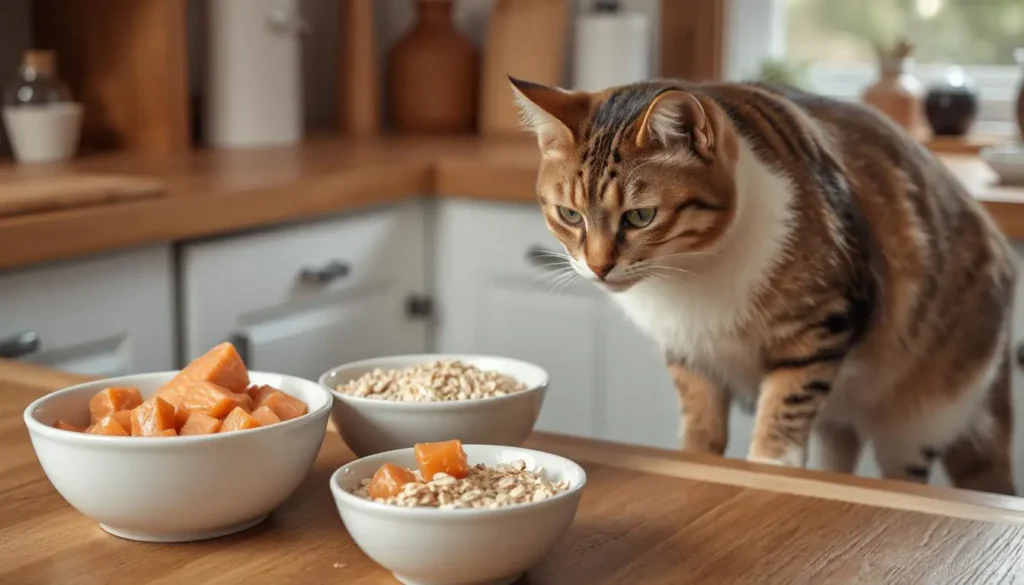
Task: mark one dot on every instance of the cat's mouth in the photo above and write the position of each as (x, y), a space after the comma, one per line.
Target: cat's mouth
(615, 284)
(612, 281)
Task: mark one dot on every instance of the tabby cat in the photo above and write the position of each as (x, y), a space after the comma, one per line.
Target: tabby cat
(796, 251)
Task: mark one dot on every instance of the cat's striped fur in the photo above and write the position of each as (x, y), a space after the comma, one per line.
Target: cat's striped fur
(805, 254)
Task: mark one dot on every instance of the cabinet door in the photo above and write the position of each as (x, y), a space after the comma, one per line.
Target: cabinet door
(302, 299)
(493, 300)
(309, 341)
(101, 316)
(642, 406)
(556, 332)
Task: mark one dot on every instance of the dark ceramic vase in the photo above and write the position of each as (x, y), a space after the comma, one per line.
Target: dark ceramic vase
(952, 105)
(433, 74)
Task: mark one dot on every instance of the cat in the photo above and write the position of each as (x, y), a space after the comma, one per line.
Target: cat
(796, 251)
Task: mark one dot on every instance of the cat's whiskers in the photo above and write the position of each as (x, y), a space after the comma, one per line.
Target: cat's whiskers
(687, 255)
(565, 282)
(561, 278)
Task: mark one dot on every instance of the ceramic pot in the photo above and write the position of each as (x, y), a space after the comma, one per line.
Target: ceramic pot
(897, 94)
(952, 105)
(433, 74)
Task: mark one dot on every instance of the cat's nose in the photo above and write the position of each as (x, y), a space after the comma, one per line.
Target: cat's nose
(601, 270)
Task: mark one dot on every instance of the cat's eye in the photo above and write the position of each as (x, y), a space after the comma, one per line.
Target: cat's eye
(638, 218)
(570, 216)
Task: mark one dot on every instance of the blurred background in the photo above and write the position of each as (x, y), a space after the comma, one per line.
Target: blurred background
(321, 181)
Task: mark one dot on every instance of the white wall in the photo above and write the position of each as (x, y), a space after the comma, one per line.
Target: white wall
(755, 31)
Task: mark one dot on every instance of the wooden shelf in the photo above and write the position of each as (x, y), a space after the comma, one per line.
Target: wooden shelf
(127, 61)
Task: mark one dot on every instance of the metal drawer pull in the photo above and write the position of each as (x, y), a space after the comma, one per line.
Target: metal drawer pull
(331, 271)
(546, 259)
(19, 345)
(1020, 354)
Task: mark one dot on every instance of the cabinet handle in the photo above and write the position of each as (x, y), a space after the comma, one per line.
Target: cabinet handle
(19, 345)
(241, 342)
(545, 259)
(419, 307)
(329, 272)
(1020, 354)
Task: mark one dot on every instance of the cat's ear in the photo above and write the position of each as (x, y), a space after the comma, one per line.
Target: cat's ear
(553, 114)
(676, 116)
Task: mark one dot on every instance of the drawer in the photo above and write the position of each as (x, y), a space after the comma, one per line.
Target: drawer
(230, 282)
(103, 315)
(509, 239)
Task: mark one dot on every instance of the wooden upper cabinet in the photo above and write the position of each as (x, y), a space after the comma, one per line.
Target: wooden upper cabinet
(692, 39)
(126, 61)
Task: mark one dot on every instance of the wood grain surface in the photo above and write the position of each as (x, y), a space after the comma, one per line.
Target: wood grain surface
(216, 192)
(126, 60)
(61, 192)
(692, 38)
(647, 516)
(525, 39)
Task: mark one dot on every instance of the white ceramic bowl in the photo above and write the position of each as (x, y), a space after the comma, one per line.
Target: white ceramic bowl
(1007, 160)
(429, 546)
(176, 489)
(370, 425)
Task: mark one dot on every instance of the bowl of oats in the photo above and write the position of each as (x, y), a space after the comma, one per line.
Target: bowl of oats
(395, 402)
(483, 516)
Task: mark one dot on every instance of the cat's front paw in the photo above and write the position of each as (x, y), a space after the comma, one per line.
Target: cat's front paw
(790, 458)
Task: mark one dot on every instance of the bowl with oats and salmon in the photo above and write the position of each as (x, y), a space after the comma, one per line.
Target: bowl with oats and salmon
(394, 402)
(446, 513)
(184, 455)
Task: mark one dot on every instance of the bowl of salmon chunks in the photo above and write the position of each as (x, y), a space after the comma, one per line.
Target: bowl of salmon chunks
(203, 452)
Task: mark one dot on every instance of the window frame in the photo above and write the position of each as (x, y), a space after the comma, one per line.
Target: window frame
(757, 31)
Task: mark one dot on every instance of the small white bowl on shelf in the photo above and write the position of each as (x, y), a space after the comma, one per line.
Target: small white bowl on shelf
(431, 546)
(176, 489)
(1007, 160)
(373, 425)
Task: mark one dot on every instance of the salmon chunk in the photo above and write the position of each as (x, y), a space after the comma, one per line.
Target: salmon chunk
(124, 418)
(212, 399)
(259, 393)
(108, 426)
(152, 417)
(110, 400)
(284, 406)
(388, 481)
(265, 416)
(443, 457)
(221, 366)
(199, 423)
(238, 420)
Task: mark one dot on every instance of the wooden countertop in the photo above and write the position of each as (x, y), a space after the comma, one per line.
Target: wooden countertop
(647, 516)
(221, 191)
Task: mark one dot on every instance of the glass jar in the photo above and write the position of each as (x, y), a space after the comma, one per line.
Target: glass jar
(36, 83)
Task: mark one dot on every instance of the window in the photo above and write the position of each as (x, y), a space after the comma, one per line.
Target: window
(835, 38)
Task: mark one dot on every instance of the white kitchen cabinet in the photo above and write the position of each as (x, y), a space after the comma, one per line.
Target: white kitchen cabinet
(301, 299)
(492, 299)
(641, 402)
(102, 316)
